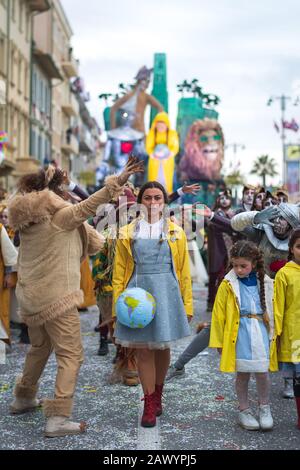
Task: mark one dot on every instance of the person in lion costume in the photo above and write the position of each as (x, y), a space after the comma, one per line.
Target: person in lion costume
(204, 151)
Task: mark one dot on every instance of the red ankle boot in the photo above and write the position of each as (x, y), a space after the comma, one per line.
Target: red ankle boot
(158, 397)
(149, 415)
(297, 399)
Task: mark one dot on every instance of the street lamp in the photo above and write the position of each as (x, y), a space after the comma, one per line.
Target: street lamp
(235, 146)
(283, 99)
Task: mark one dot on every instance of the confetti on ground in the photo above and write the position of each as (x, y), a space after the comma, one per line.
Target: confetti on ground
(89, 389)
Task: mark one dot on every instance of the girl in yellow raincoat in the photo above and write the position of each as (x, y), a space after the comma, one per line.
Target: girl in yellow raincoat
(152, 254)
(241, 329)
(286, 348)
(162, 145)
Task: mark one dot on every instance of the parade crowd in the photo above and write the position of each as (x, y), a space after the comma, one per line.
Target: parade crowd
(63, 250)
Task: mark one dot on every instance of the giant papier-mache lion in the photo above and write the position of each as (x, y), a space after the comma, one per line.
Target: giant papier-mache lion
(203, 152)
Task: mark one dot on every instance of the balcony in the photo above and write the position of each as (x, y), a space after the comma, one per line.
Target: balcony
(70, 67)
(47, 63)
(25, 166)
(70, 144)
(39, 5)
(86, 143)
(71, 107)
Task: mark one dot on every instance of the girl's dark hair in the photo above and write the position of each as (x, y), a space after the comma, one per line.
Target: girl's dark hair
(152, 185)
(155, 185)
(248, 250)
(38, 182)
(293, 238)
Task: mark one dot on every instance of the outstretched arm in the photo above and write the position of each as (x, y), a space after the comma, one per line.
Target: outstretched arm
(72, 217)
(155, 103)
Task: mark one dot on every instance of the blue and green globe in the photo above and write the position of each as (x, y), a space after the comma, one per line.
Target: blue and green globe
(135, 308)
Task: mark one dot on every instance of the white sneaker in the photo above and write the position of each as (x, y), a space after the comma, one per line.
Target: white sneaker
(288, 391)
(265, 418)
(247, 420)
(59, 426)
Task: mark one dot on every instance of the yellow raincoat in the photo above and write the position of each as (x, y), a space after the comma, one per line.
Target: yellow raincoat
(226, 318)
(286, 315)
(124, 263)
(169, 138)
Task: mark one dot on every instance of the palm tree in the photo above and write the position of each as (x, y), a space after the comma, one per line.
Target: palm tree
(235, 179)
(264, 166)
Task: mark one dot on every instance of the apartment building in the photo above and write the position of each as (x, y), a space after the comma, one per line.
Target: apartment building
(15, 62)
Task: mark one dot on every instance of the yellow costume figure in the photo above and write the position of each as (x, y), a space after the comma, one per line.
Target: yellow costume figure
(87, 285)
(162, 145)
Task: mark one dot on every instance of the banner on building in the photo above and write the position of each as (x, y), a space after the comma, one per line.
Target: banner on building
(292, 174)
(292, 152)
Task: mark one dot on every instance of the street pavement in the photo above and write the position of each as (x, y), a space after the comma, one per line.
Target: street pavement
(199, 409)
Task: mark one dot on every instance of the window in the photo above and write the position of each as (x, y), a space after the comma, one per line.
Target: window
(13, 9)
(21, 15)
(20, 71)
(12, 66)
(41, 101)
(2, 55)
(26, 82)
(39, 148)
(28, 26)
(32, 143)
(33, 89)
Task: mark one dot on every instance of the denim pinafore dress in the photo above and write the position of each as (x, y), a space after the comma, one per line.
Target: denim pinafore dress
(154, 272)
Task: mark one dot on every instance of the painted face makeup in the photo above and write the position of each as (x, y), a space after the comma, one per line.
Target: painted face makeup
(281, 226)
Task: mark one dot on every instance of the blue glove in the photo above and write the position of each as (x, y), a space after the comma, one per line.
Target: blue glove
(264, 216)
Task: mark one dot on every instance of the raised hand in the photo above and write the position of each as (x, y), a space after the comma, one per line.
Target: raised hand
(66, 180)
(132, 166)
(191, 189)
(264, 216)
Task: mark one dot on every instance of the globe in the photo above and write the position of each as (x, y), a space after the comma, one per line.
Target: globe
(135, 308)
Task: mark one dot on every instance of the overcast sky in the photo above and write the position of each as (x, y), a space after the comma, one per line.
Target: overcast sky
(243, 51)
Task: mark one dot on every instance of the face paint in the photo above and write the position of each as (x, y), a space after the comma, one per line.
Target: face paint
(259, 200)
(281, 226)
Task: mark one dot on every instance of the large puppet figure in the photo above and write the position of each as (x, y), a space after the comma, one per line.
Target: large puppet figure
(135, 101)
(162, 145)
(204, 151)
(126, 136)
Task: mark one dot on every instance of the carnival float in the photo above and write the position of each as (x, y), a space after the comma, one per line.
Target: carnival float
(191, 153)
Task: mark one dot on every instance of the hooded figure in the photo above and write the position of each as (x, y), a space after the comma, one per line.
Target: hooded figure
(162, 145)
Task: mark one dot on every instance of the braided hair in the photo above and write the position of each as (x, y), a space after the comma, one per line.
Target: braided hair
(293, 238)
(248, 250)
